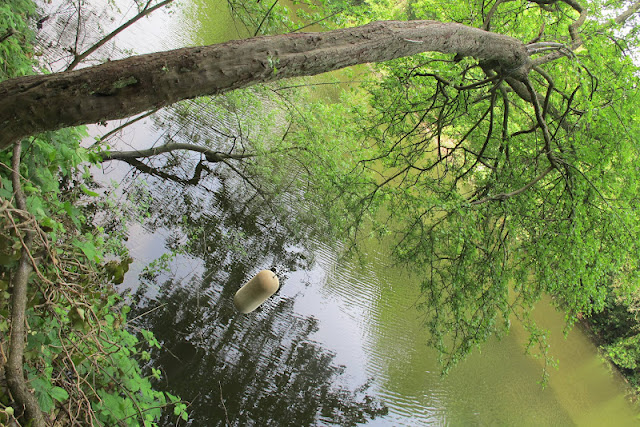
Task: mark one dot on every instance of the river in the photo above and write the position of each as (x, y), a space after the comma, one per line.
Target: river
(341, 342)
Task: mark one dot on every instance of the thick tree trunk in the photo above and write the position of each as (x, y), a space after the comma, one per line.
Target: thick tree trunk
(126, 87)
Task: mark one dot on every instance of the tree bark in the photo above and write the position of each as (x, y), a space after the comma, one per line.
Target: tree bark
(119, 89)
(14, 371)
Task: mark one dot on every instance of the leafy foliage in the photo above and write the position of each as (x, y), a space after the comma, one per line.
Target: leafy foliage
(497, 189)
(81, 359)
(494, 197)
(16, 36)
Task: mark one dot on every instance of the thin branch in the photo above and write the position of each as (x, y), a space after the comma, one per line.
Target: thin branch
(78, 27)
(145, 313)
(317, 84)
(144, 168)
(458, 87)
(265, 18)
(226, 414)
(604, 199)
(523, 92)
(486, 25)
(7, 34)
(119, 128)
(543, 125)
(576, 41)
(633, 9)
(505, 196)
(540, 33)
(318, 21)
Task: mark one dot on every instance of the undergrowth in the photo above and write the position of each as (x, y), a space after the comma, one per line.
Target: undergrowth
(82, 359)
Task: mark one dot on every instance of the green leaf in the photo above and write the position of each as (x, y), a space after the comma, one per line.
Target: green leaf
(36, 206)
(73, 213)
(59, 394)
(43, 389)
(45, 402)
(88, 192)
(156, 373)
(88, 248)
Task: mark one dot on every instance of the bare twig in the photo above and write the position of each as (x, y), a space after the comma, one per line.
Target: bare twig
(226, 414)
(146, 312)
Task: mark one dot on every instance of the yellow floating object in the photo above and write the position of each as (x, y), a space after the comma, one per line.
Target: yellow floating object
(256, 291)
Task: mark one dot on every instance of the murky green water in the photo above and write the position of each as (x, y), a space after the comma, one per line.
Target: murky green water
(495, 386)
(340, 343)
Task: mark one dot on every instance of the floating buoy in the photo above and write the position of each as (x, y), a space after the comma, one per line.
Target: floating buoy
(256, 291)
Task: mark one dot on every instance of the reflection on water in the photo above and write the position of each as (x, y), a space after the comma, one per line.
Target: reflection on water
(259, 369)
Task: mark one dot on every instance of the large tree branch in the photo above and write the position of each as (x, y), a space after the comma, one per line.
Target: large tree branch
(123, 88)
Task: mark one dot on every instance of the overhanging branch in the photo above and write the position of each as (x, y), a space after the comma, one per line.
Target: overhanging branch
(146, 11)
(123, 88)
(144, 168)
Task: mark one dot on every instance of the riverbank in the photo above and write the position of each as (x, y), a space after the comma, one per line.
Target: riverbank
(615, 331)
(67, 354)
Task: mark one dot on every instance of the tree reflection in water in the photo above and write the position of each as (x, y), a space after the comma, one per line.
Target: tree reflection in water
(256, 369)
